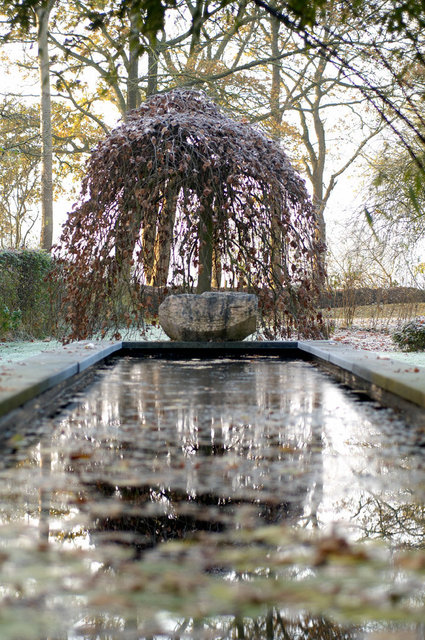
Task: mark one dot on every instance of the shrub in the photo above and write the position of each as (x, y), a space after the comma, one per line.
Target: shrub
(26, 305)
(9, 320)
(412, 336)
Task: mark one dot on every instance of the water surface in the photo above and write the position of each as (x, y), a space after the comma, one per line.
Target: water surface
(249, 498)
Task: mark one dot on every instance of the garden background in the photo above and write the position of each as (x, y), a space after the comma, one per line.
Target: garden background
(339, 87)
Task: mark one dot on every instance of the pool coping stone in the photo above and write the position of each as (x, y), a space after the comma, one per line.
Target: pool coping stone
(23, 381)
(394, 376)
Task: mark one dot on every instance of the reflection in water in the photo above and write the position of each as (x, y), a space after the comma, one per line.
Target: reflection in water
(184, 447)
(159, 451)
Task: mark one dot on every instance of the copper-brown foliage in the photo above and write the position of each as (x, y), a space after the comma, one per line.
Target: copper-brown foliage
(178, 189)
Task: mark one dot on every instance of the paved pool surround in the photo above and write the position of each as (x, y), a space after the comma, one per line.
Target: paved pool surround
(379, 376)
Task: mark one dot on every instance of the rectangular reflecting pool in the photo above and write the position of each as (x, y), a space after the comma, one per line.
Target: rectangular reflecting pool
(230, 498)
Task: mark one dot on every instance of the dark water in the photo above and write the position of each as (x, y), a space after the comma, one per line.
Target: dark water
(216, 499)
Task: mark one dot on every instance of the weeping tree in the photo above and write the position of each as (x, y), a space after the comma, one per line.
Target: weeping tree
(182, 198)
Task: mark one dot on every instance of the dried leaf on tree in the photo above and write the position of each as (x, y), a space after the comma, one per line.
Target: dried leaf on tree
(181, 196)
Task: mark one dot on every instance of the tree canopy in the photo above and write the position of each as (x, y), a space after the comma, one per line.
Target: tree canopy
(266, 61)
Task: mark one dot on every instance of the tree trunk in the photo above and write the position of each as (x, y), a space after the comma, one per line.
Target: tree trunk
(148, 244)
(205, 249)
(318, 156)
(276, 239)
(319, 172)
(133, 93)
(216, 268)
(275, 109)
(42, 12)
(152, 87)
(164, 238)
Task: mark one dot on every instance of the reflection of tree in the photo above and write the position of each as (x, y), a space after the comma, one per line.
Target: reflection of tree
(396, 521)
(44, 495)
(273, 625)
(202, 444)
(161, 451)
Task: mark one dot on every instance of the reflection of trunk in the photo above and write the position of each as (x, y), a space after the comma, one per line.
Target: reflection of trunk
(205, 249)
(44, 496)
(240, 628)
(269, 625)
(316, 447)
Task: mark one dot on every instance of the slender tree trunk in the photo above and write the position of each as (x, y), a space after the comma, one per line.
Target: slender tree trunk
(152, 87)
(276, 78)
(148, 243)
(318, 156)
(164, 238)
(216, 269)
(42, 12)
(133, 93)
(205, 249)
(319, 171)
(276, 239)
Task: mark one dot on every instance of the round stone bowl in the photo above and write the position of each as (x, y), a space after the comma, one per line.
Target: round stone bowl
(209, 317)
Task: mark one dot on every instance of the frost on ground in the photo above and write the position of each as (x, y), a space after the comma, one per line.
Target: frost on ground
(21, 350)
(16, 351)
(378, 341)
(355, 338)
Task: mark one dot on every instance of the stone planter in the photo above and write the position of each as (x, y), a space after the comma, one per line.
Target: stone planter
(211, 316)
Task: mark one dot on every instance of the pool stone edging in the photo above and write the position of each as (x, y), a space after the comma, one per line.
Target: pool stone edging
(24, 381)
(393, 376)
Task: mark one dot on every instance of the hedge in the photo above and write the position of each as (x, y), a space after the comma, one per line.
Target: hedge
(27, 308)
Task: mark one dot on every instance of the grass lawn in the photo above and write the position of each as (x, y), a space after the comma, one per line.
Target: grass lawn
(377, 315)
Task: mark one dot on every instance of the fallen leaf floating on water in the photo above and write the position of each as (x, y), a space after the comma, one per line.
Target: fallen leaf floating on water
(81, 455)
